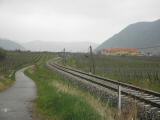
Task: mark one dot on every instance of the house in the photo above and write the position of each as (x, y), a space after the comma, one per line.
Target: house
(121, 51)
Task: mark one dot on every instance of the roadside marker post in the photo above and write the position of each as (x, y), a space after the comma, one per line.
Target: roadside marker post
(119, 99)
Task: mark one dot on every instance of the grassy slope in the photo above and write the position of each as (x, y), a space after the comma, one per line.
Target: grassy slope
(58, 99)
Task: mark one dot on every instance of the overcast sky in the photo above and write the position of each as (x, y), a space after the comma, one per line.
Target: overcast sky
(72, 20)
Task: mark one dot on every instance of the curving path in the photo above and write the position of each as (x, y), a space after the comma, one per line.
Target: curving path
(16, 102)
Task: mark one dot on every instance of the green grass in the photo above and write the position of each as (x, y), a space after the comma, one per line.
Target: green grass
(59, 100)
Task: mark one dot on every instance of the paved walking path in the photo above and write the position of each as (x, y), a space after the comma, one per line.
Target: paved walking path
(16, 102)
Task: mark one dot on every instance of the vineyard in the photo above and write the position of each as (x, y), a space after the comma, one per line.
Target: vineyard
(140, 71)
(16, 60)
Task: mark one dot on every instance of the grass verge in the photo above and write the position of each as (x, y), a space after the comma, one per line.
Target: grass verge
(5, 83)
(59, 100)
(6, 80)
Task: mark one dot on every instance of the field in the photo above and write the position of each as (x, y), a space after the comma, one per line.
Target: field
(141, 71)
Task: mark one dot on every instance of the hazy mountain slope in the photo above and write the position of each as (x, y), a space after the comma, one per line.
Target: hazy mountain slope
(138, 35)
(10, 45)
(58, 46)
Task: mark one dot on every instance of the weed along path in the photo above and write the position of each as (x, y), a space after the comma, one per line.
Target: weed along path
(16, 102)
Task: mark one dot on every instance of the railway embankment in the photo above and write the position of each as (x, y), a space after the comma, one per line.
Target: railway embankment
(136, 104)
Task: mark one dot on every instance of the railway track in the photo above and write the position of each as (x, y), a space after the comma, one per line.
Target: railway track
(148, 97)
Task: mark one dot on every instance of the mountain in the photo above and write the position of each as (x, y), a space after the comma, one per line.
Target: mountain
(10, 45)
(139, 35)
(58, 46)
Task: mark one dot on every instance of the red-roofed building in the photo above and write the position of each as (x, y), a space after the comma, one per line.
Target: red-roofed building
(121, 51)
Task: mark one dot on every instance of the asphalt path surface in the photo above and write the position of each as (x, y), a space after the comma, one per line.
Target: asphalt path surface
(16, 102)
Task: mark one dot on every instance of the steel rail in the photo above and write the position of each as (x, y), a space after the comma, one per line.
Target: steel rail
(131, 87)
(114, 82)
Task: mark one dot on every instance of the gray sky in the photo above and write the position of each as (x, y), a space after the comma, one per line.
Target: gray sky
(72, 20)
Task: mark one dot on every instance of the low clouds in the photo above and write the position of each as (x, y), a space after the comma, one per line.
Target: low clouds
(71, 20)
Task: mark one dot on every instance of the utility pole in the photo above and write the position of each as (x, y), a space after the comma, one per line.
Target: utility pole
(64, 56)
(88, 62)
(92, 59)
